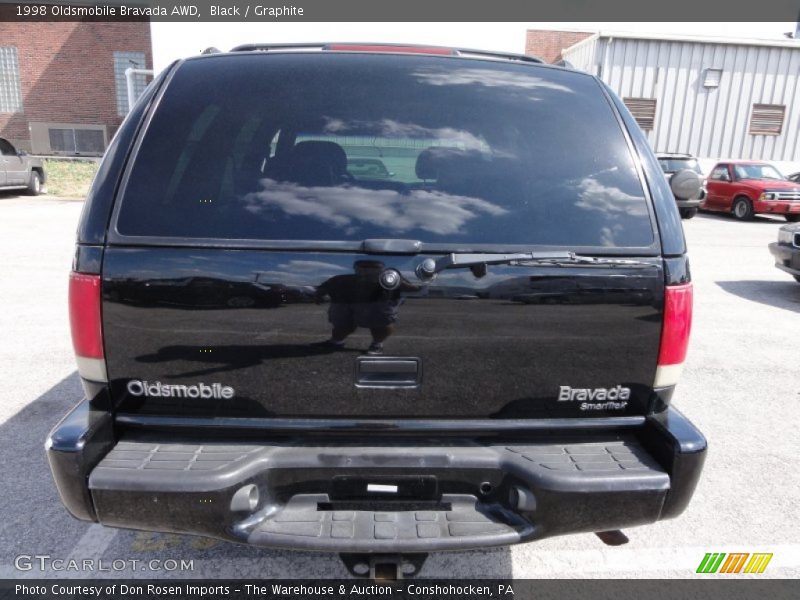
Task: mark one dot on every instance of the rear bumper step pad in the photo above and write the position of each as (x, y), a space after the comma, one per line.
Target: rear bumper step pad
(476, 493)
(484, 495)
(468, 524)
(141, 464)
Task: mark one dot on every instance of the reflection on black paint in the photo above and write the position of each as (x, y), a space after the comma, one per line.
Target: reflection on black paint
(358, 300)
(224, 359)
(586, 289)
(498, 345)
(199, 293)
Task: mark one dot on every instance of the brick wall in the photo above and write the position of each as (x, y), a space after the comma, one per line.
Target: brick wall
(548, 45)
(67, 72)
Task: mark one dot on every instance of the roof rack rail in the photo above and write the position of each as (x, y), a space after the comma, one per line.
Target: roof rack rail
(266, 47)
(500, 55)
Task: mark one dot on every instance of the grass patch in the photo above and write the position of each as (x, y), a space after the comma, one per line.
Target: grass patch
(69, 178)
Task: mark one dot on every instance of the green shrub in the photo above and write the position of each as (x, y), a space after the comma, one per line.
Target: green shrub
(69, 178)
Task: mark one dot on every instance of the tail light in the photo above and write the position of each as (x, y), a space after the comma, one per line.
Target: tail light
(674, 334)
(86, 326)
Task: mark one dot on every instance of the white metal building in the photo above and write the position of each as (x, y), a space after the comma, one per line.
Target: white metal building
(711, 97)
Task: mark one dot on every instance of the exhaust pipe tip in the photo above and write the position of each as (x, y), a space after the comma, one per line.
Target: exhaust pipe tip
(245, 499)
(522, 499)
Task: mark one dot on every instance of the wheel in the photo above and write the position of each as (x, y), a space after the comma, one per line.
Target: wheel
(742, 209)
(687, 213)
(797, 278)
(792, 218)
(34, 184)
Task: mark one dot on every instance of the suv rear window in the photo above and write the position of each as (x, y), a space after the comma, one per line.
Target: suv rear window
(346, 147)
(673, 165)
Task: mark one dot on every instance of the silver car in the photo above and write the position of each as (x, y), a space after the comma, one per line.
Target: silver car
(20, 170)
(674, 163)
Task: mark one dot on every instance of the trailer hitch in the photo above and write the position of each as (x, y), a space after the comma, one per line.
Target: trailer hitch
(384, 567)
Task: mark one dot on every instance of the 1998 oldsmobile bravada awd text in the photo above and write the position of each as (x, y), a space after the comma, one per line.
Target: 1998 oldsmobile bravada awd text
(471, 344)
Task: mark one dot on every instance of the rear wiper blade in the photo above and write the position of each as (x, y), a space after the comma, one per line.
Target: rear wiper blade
(429, 268)
(577, 259)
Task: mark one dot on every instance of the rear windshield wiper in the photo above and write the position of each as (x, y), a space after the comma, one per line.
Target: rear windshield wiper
(477, 262)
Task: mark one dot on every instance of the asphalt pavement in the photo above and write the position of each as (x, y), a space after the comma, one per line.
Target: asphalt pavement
(741, 387)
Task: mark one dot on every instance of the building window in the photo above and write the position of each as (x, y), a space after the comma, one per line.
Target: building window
(10, 90)
(643, 110)
(123, 61)
(767, 119)
(712, 78)
(77, 140)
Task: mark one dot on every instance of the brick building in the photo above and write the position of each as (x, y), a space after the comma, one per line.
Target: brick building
(547, 44)
(62, 84)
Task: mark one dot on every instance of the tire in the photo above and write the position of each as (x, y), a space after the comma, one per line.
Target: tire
(34, 184)
(797, 278)
(687, 213)
(792, 218)
(742, 209)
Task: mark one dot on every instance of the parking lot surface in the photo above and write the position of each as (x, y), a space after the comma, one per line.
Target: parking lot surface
(741, 387)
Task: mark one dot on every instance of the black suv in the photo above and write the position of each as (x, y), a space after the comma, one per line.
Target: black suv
(477, 348)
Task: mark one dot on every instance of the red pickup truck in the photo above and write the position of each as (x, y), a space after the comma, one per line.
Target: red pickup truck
(749, 188)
